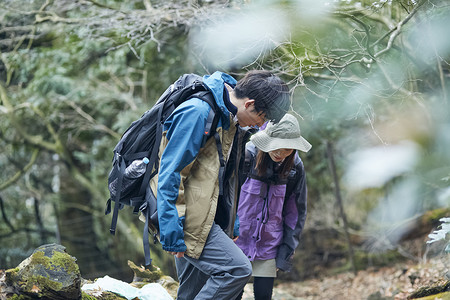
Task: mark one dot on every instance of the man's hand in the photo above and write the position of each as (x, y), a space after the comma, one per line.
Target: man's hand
(177, 254)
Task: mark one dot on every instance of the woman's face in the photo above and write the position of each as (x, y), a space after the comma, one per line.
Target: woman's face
(280, 154)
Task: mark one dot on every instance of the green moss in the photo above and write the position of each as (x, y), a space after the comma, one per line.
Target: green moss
(11, 275)
(111, 296)
(39, 258)
(433, 216)
(65, 261)
(57, 260)
(85, 296)
(13, 270)
(145, 275)
(40, 282)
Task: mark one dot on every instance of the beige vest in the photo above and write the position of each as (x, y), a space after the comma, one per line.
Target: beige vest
(199, 190)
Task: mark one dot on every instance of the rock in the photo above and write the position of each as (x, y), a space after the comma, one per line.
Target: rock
(170, 285)
(440, 296)
(439, 288)
(144, 275)
(49, 273)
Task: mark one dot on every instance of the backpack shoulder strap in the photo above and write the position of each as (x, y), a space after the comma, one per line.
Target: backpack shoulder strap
(293, 179)
(210, 130)
(214, 113)
(248, 163)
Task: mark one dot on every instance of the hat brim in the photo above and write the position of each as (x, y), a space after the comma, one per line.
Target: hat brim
(265, 143)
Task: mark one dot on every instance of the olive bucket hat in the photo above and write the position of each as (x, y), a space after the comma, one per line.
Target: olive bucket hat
(284, 134)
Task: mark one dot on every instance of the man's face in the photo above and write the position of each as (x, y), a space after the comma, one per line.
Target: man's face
(248, 116)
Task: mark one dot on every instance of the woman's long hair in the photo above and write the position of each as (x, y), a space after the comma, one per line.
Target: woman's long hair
(263, 161)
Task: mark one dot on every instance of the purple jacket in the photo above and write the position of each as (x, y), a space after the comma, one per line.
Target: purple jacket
(271, 222)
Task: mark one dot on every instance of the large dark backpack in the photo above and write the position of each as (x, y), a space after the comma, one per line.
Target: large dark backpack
(142, 139)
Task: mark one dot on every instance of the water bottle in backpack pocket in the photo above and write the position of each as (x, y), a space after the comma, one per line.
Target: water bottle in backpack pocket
(134, 170)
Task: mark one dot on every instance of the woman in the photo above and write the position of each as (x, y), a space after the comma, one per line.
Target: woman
(272, 201)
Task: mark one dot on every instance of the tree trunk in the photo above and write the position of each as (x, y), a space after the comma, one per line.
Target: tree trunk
(332, 164)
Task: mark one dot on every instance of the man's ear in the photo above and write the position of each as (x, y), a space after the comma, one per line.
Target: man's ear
(249, 102)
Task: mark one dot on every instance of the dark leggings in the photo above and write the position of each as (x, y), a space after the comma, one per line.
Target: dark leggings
(262, 288)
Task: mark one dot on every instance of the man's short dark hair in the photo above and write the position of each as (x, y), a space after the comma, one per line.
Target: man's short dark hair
(271, 94)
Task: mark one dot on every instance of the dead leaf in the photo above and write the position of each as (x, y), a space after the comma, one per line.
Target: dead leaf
(35, 289)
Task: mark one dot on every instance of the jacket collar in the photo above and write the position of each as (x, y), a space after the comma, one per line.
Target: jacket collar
(216, 83)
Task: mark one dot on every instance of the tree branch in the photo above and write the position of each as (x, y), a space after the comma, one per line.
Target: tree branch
(394, 32)
(90, 119)
(4, 214)
(364, 26)
(35, 140)
(21, 172)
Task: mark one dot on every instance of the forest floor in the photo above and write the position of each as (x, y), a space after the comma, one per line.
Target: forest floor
(395, 282)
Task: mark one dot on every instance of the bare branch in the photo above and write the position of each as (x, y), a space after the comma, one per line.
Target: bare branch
(394, 32)
(91, 120)
(21, 172)
(363, 25)
(36, 140)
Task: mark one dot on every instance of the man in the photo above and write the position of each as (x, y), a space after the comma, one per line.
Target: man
(209, 264)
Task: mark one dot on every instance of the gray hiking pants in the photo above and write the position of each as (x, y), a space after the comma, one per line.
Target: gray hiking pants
(221, 272)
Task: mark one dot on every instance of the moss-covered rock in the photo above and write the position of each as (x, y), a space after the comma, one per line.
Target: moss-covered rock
(440, 296)
(143, 275)
(170, 285)
(440, 288)
(49, 273)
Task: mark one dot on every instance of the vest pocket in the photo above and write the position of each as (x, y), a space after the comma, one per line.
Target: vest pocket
(271, 235)
(252, 186)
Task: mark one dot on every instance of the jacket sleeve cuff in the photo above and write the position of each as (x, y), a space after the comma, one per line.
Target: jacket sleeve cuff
(284, 256)
(175, 248)
(283, 265)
